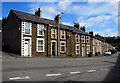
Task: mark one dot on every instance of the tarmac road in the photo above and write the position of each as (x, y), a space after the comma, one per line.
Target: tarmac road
(105, 68)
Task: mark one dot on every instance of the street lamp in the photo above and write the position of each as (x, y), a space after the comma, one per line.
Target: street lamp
(58, 32)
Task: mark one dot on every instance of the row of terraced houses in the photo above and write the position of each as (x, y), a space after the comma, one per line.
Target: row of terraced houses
(31, 35)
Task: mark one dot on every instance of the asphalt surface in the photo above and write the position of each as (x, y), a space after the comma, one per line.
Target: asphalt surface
(105, 68)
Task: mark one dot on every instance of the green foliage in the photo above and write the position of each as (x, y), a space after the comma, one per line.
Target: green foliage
(4, 22)
(115, 42)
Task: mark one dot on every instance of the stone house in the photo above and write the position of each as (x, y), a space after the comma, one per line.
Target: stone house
(31, 35)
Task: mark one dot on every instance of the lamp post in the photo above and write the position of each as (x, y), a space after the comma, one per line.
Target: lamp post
(58, 32)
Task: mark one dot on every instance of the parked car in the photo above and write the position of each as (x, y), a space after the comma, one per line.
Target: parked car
(108, 53)
(113, 51)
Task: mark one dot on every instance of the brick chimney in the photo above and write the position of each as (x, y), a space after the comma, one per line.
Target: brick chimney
(83, 28)
(38, 12)
(91, 32)
(77, 25)
(58, 18)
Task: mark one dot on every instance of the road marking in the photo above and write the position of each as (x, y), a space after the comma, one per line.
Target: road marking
(91, 70)
(17, 78)
(53, 74)
(76, 72)
(106, 69)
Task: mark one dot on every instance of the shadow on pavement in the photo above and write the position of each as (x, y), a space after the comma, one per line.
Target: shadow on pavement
(114, 73)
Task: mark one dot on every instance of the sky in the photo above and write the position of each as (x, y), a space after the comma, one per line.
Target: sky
(99, 17)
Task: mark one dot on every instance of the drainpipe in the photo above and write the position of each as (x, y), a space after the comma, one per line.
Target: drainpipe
(58, 36)
(58, 40)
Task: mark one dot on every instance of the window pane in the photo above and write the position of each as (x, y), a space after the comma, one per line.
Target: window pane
(40, 48)
(77, 40)
(41, 32)
(53, 31)
(40, 42)
(40, 27)
(62, 36)
(27, 25)
(62, 48)
(62, 43)
(78, 51)
(27, 31)
(53, 36)
(77, 47)
(27, 28)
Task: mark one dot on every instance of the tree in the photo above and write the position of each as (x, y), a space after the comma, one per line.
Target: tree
(4, 22)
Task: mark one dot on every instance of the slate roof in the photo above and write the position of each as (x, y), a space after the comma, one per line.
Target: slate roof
(36, 19)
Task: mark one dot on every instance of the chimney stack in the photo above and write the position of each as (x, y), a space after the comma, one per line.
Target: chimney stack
(91, 32)
(38, 12)
(83, 28)
(58, 18)
(77, 25)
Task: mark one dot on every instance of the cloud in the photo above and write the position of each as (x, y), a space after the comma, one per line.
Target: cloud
(103, 0)
(98, 18)
(30, 0)
(106, 34)
(91, 21)
(98, 15)
(108, 30)
(59, 0)
(67, 23)
(48, 11)
(64, 5)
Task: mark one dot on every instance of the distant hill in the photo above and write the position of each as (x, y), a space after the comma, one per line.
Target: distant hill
(115, 41)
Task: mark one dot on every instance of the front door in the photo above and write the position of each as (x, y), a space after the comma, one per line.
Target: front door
(83, 51)
(27, 47)
(53, 49)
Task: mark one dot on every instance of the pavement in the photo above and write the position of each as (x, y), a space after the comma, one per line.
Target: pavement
(106, 68)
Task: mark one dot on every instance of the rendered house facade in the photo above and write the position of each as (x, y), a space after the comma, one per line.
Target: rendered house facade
(31, 35)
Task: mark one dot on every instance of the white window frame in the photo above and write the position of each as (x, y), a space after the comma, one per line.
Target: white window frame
(53, 33)
(77, 38)
(30, 28)
(37, 45)
(64, 46)
(77, 49)
(87, 40)
(62, 34)
(39, 30)
(83, 38)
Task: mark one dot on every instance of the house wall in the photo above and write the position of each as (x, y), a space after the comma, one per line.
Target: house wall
(69, 43)
(49, 40)
(34, 42)
(73, 45)
(78, 43)
(13, 34)
(59, 41)
(34, 38)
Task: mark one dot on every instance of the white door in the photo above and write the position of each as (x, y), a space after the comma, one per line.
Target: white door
(27, 48)
(83, 51)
